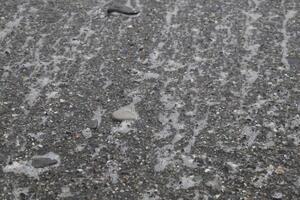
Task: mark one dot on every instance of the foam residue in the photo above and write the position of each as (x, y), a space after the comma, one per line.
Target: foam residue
(215, 184)
(188, 182)
(252, 16)
(11, 25)
(124, 127)
(250, 134)
(65, 192)
(197, 130)
(284, 44)
(188, 161)
(150, 195)
(165, 156)
(170, 14)
(155, 58)
(32, 96)
(250, 75)
(98, 115)
(233, 166)
(112, 171)
(22, 167)
(17, 191)
(262, 178)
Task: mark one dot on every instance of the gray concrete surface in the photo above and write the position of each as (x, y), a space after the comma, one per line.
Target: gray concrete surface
(213, 90)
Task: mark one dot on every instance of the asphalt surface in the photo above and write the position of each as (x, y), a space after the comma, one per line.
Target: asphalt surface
(212, 89)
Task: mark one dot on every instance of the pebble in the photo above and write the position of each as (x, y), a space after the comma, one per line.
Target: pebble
(43, 162)
(93, 124)
(293, 61)
(121, 9)
(125, 113)
(279, 170)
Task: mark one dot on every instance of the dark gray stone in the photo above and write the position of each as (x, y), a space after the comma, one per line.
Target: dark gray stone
(294, 61)
(121, 9)
(93, 124)
(43, 162)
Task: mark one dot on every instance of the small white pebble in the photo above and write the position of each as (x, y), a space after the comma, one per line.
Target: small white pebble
(207, 170)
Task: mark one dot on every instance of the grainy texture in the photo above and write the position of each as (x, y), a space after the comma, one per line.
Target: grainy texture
(215, 85)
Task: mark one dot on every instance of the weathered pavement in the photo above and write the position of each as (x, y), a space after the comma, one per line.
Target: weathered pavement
(214, 86)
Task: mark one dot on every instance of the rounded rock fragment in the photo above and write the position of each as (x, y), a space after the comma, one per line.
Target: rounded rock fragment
(121, 9)
(93, 124)
(125, 113)
(43, 162)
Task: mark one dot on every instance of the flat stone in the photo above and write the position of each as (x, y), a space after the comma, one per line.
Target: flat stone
(43, 162)
(294, 61)
(125, 113)
(93, 124)
(121, 9)
(279, 170)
